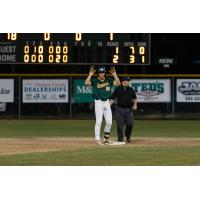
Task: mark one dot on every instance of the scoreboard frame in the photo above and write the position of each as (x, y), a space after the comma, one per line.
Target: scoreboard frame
(57, 52)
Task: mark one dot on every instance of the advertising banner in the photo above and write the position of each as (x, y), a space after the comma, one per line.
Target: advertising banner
(188, 90)
(45, 91)
(6, 90)
(152, 90)
(82, 93)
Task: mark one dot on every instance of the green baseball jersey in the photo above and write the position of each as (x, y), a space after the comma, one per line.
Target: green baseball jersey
(102, 89)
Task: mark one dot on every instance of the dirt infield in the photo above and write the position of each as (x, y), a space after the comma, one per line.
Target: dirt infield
(15, 146)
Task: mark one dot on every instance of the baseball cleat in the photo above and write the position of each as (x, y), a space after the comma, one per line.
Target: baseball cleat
(128, 141)
(107, 141)
(99, 142)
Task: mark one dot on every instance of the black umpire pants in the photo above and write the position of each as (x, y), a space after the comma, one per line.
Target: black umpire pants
(124, 116)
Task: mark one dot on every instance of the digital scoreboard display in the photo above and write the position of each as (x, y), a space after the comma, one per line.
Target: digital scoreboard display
(75, 48)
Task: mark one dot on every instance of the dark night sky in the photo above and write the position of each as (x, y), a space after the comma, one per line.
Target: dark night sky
(184, 48)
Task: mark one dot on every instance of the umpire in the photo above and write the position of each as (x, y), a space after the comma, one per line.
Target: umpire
(126, 104)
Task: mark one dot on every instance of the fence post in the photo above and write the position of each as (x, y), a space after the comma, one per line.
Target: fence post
(70, 97)
(173, 96)
(19, 97)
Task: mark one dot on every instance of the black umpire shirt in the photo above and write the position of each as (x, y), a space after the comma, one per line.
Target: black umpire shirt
(124, 96)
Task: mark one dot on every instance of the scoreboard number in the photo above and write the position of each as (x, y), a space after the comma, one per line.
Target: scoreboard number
(46, 36)
(142, 52)
(116, 56)
(11, 36)
(111, 36)
(132, 56)
(78, 36)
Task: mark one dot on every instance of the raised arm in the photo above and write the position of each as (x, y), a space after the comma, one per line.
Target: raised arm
(91, 73)
(114, 74)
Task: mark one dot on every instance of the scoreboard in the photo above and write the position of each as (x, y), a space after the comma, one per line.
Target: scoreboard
(75, 48)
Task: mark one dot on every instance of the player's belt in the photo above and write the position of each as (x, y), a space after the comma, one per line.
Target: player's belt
(101, 99)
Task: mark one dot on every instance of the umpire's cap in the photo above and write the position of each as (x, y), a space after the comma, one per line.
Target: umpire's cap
(126, 78)
(101, 69)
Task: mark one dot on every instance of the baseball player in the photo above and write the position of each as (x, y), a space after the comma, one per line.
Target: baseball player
(101, 93)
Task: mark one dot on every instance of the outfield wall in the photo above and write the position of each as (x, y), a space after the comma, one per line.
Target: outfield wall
(62, 96)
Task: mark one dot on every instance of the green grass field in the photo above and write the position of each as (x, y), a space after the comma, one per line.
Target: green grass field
(106, 155)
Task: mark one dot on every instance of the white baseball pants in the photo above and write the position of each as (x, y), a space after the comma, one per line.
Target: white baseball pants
(102, 108)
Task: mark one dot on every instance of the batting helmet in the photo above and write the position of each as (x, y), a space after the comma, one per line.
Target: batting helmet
(101, 69)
